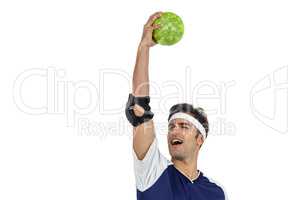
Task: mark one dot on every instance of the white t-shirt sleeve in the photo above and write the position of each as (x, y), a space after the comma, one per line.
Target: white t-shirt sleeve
(150, 168)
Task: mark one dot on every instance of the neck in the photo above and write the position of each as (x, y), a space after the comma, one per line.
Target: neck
(187, 167)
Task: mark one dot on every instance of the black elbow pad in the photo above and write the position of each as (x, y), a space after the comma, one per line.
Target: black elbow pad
(144, 103)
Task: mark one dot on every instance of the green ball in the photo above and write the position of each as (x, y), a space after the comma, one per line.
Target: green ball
(170, 31)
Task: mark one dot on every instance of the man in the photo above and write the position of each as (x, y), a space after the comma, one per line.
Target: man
(157, 178)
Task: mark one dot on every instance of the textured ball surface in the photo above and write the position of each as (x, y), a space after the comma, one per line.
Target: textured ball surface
(171, 29)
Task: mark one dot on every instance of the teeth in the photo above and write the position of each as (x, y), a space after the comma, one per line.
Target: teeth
(176, 141)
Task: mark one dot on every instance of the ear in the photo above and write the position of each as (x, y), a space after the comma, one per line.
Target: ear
(199, 139)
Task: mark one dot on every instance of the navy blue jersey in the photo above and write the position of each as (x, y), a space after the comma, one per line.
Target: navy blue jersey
(158, 179)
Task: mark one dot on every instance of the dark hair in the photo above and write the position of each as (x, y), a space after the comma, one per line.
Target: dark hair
(198, 113)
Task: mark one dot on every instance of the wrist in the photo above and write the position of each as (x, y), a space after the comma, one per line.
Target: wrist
(143, 46)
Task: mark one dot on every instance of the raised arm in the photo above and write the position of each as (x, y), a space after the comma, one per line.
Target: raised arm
(143, 134)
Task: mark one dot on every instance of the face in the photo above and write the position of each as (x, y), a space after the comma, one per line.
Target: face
(183, 142)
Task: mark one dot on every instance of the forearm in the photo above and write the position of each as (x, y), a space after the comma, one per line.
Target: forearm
(140, 80)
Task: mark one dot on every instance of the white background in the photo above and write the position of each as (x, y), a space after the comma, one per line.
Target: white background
(50, 156)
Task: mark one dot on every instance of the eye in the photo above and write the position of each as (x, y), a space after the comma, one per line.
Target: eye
(171, 127)
(185, 126)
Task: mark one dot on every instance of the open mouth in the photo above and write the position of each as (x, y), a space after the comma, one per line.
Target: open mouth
(176, 142)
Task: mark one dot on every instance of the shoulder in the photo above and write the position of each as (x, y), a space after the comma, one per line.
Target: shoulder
(150, 168)
(214, 186)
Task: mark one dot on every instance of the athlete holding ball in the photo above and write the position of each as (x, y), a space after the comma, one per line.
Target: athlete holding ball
(157, 177)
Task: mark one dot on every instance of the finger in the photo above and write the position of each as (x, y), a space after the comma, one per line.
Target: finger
(155, 14)
(156, 26)
(149, 28)
(153, 17)
(151, 20)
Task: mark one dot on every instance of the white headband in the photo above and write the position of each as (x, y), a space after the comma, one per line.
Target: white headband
(191, 119)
